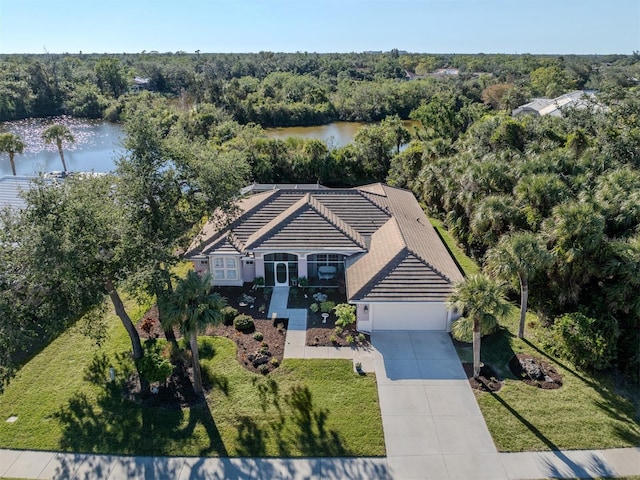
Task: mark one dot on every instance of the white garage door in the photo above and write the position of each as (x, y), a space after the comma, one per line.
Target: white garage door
(408, 316)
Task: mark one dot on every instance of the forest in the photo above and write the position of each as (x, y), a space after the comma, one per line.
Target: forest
(195, 134)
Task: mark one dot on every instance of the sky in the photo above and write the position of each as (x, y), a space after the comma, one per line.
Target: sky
(423, 26)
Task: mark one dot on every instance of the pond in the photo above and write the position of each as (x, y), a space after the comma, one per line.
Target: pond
(97, 145)
(335, 135)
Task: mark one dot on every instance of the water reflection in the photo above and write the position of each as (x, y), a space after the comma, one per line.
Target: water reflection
(97, 145)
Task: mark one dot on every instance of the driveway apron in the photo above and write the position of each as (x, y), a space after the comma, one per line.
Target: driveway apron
(433, 427)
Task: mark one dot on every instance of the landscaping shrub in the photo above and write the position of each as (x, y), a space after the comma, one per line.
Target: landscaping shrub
(338, 330)
(229, 313)
(588, 342)
(349, 339)
(346, 314)
(314, 307)
(258, 336)
(275, 362)
(263, 369)
(320, 297)
(361, 337)
(243, 323)
(327, 306)
(153, 366)
(333, 339)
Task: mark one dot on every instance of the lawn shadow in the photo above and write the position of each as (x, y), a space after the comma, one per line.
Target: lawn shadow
(610, 402)
(565, 467)
(110, 422)
(294, 421)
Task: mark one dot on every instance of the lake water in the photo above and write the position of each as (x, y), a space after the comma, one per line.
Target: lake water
(98, 143)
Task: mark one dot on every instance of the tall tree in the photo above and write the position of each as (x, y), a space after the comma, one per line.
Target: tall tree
(482, 302)
(11, 143)
(58, 133)
(518, 255)
(193, 308)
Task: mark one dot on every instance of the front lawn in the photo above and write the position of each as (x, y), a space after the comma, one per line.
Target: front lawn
(63, 401)
(587, 412)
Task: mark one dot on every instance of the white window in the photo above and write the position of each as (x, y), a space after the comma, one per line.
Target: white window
(225, 268)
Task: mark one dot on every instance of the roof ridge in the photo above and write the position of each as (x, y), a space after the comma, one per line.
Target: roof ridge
(263, 231)
(225, 229)
(337, 222)
(375, 279)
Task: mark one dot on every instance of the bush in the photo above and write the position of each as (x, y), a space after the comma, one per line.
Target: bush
(263, 369)
(303, 282)
(338, 330)
(587, 342)
(229, 313)
(333, 339)
(258, 282)
(361, 338)
(349, 339)
(346, 314)
(154, 367)
(243, 323)
(275, 362)
(258, 336)
(314, 307)
(327, 306)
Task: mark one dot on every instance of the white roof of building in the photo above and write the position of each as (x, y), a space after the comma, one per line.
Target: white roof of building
(554, 106)
(10, 190)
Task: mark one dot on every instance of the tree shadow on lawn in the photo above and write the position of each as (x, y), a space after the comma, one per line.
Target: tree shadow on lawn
(111, 423)
(610, 401)
(301, 424)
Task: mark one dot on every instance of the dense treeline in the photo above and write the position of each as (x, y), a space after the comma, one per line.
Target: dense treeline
(277, 89)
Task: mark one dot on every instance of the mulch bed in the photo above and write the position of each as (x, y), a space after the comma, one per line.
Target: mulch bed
(324, 334)
(273, 335)
(488, 381)
(535, 371)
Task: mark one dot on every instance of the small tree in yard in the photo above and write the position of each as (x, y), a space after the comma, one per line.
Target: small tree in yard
(482, 303)
(57, 134)
(193, 308)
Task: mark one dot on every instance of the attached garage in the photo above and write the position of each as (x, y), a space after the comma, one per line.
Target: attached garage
(408, 316)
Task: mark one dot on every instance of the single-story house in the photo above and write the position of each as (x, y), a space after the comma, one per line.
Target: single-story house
(554, 106)
(374, 239)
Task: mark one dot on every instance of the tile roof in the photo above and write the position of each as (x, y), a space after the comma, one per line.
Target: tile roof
(398, 255)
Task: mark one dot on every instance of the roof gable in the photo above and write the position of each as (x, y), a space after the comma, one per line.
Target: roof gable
(309, 224)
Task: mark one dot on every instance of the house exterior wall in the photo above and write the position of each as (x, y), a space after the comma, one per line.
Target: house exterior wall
(236, 280)
(409, 316)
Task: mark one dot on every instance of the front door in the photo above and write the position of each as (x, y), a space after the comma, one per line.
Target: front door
(281, 274)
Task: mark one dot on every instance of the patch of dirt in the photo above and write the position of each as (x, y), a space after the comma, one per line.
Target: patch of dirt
(273, 335)
(488, 381)
(535, 372)
(324, 334)
(176, 393)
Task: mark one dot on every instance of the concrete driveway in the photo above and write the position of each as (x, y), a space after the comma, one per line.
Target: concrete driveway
(433, 428)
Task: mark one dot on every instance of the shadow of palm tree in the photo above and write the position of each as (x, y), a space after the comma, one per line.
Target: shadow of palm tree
(610, 402)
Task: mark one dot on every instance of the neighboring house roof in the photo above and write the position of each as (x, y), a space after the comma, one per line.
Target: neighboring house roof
(261, 187)
(11, 188)
(554, 106)
(397, 254)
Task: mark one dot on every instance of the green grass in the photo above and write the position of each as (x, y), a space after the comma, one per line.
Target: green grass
(304, 408)
(468, 266)
(585, 413)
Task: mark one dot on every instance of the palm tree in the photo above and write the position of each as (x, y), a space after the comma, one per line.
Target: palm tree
(482, 303)
(519, 255)
(58, 133)
(192, 308)
(11, 144)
